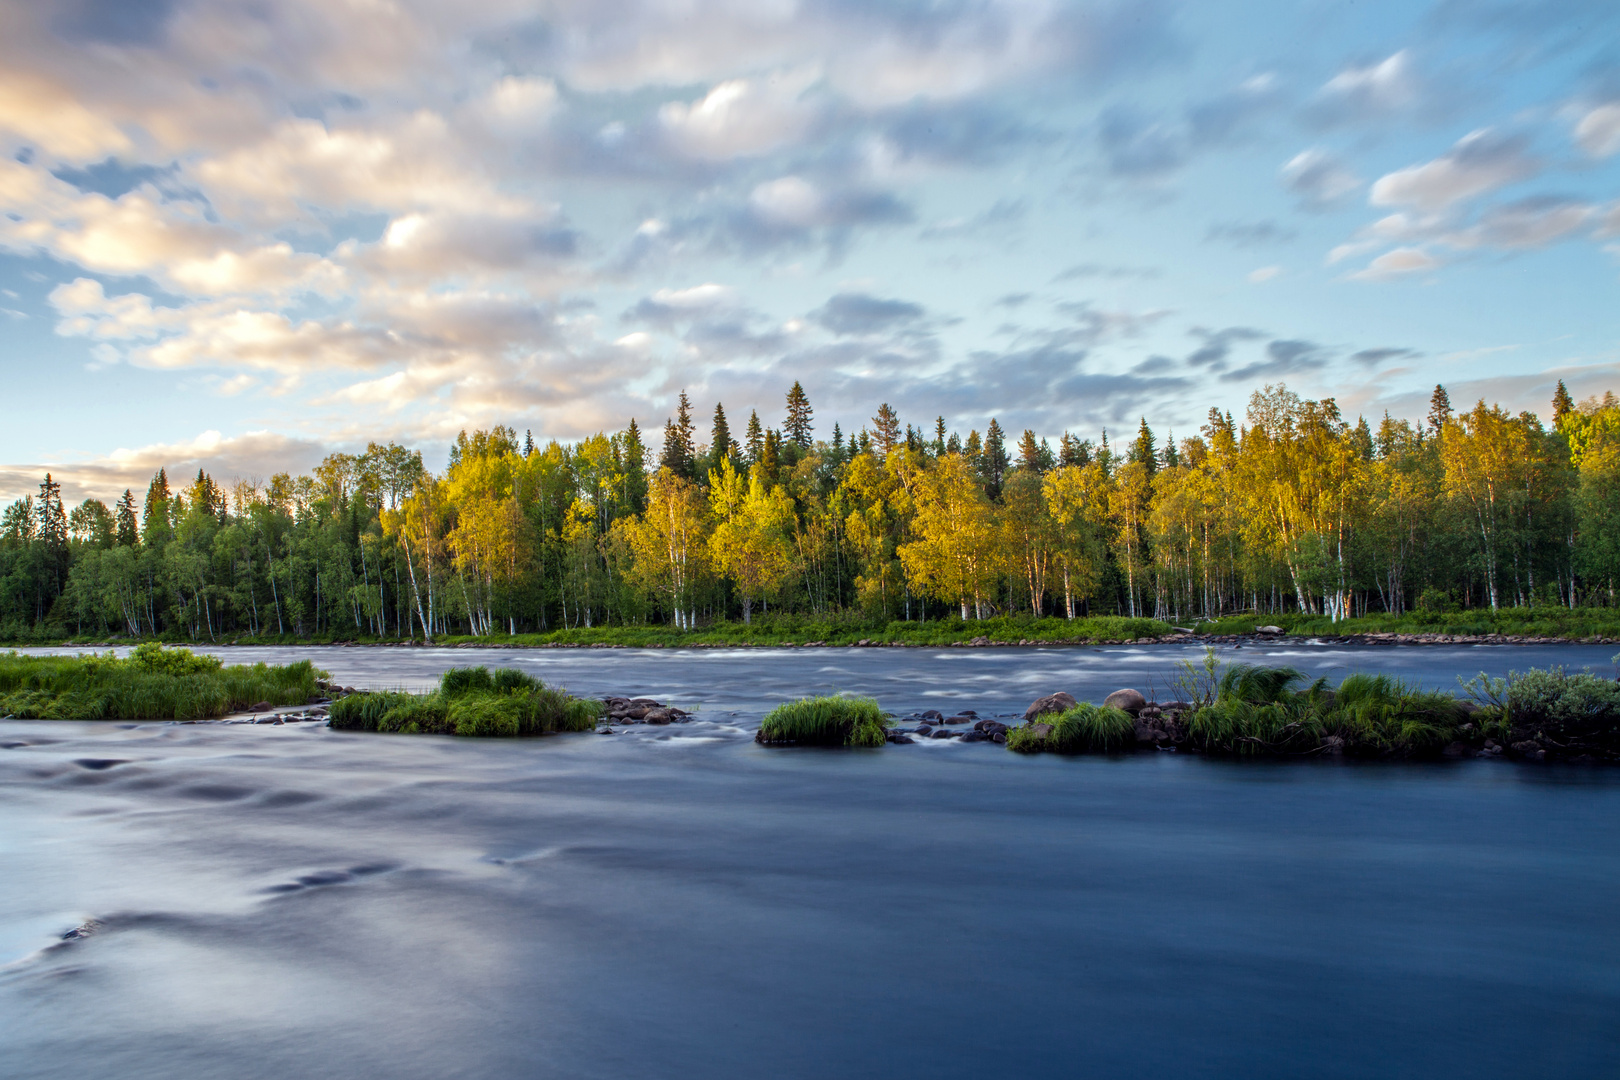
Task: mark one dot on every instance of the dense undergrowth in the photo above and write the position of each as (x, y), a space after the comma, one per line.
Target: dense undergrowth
(825, 721)
(470, 701)
(153, 683)
(1539, 621)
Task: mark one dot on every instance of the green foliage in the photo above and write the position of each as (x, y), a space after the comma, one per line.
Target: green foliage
(1539, 620)
(1263, 711)
(156, 685)
(470, 701)
(1084, 729)
(825, 721)
(1554, 701)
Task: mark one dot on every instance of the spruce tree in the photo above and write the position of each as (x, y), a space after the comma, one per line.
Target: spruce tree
(1143, 450)
(127, 531)
(838, 445)
(720, 443)
(680, 452)
(953, 445)
(528, 442)
(770, 456)
(886, 425)
(756, 437)
(1029, 452)
(799, 414)
(155, 515)
(1439, 408)
(995, 459)
(1171, 457)
(1562, 403)
(939, 435)
(634, 494)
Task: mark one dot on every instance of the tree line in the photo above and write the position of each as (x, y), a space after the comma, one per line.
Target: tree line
(1295, 508)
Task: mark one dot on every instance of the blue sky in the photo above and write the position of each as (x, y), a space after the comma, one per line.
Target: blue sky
(240, 235)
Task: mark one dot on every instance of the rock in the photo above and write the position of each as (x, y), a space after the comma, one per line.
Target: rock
(975, 736)
(268, 720)
(941, 733)
(923, 729)
(657, 716)
(1147, 731)
(980, 640)
(968, 713)
(1268, 629)
(902, 739)
(263, 706)
(1040, 731)
(1131, 701)
(1000, 736)
(1530, 749)
(1468, 707)
(990, 727)
(1051, 703)
(955, 720)
(931, 714)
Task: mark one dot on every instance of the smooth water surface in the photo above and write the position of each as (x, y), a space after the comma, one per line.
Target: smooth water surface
(678, 902)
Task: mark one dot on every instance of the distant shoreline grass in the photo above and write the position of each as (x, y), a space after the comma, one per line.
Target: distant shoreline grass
(153, 683)
(1540, 623)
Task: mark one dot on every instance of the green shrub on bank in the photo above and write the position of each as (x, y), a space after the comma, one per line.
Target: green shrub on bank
(1552, 704)
(153, 683)
(825, 721)
(1264, 710)
(470, 701)
(1086, 728)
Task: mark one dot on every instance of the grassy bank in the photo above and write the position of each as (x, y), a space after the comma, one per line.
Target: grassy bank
(153, 683)
(825, 721)
(1542, 621)
(470, 701)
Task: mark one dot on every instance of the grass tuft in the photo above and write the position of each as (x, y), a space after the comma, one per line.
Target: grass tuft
(1086, 728)
(470, 701)
(153, 683)
(825, 721)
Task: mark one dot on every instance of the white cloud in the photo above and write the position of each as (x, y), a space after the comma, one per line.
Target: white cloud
(741, 117)
(1319, 179)
(1397, 263)
(1480, 162)
(789, 200)
(1388, 84)
(37, 112)
(1598, 131)
(1264, 274)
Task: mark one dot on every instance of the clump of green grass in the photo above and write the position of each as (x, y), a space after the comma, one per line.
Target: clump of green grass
(470, 701)
(825, 721)
(153, 683)
(1265, 711)
(1086, 728)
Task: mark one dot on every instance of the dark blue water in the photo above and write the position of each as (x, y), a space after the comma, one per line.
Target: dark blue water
(294, 901)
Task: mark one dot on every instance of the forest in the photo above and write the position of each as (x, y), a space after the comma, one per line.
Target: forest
(1293, 509)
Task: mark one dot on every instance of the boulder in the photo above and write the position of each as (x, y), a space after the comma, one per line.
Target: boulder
(1051, 703)
(975, 736)
(980, 640)
(657, 716)
(1268, 629)
(262, 706)
(930, 714)
(1040, 731)
(955, 720)
(897, 737)
(1131, 701)
(990, 727)
(941, 733)
(1000, 736)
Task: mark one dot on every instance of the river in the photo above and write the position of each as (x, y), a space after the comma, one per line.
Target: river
(262, 901)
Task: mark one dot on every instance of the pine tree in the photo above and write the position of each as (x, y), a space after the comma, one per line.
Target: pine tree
(1172, 457)
(799, 415)
(1562, 403)
(1074, 451)
(756, 437)
(680, 453)
(838, 445)
(1029, 453)
(995, 459)
(886, 433)
(1439, 408)
(953, 445)
(720, 443)
(770, 456)
(127, 532)
(53, 528)
(635, 470)
(939, 435)
(1143, 450)
(528, 442)
(155, 525)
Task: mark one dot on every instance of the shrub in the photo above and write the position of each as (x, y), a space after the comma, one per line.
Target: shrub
(1582, 706)
(825, 721)
(1086, 728)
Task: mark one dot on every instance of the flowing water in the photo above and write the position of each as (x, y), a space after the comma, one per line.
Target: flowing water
(292, 901)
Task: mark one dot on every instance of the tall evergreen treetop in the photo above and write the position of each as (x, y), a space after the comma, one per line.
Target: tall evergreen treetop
(755, 437)
(1144, 450)
(995, 458)
(1029, 453)
(939, 435)
(886, 429)
(680, 452)
(127, 531)
(1562, 403)
(799, 414)
(1439, 407)
(155, 524)
(721, 445)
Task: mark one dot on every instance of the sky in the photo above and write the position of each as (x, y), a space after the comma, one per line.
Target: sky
(242, 234)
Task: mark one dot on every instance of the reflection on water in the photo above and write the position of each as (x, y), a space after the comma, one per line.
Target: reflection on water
(294, 901)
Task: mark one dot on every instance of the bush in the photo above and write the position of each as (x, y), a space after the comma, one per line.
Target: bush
(1086, 728)
(1578, 708)
(152, 684)
(470, 701)
(825, 721)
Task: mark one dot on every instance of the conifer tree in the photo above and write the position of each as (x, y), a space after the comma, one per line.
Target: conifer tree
(995, 459)
(953, 445)
(939, 435)
(1562, 403)
(721, 445)
(838, 445)
(1143, 450)
(770, 456)
(155, 524)
(1439, 408)
(799, 414)
(126, 532)
(756, 437)
(635, 469)
(886, 429)
(528, 442)
(1029, 453)
(680, 452)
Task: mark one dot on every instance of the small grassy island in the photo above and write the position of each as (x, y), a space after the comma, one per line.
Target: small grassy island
(825, 721)
(152, 683)
(470, 701)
